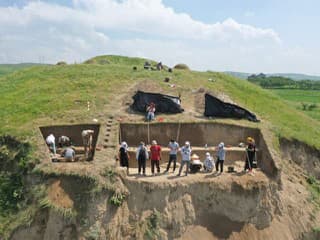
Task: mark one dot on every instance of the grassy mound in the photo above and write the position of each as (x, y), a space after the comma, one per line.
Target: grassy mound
(61, 63)
(51, 92)
(181, 66)
(118, 60)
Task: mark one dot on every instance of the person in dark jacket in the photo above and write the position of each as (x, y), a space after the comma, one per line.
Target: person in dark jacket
(142, 156)
(250, 154)
(124, 156)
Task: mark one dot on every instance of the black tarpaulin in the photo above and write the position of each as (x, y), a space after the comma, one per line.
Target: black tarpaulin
(214, 107)
(164, 103)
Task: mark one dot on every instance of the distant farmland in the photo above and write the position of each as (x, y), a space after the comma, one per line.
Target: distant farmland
(299, 97)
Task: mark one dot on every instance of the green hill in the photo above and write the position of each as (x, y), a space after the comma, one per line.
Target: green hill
(55, 93)
(58, 94)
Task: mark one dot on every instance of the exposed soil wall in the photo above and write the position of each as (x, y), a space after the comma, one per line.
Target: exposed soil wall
(206, 204)
(266, 161)
(302, 154)
(198, 134)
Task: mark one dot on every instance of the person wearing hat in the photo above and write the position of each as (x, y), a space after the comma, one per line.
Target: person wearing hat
(186, 157)
(250, 154)
(87, 136)
(195, 164)
(208, 164)
(155, 152)
(124, 156)
(174, 148)
(221, 154)
(142, 156)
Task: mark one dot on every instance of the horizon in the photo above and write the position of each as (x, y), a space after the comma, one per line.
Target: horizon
(250, 37)
(225, 71)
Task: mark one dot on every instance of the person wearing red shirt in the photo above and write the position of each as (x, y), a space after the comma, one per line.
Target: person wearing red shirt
(155, 152)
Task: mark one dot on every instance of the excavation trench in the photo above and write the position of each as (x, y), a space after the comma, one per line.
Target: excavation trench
(203, 137)
(74, 133)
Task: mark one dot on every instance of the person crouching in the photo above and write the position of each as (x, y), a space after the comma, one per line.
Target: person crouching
(208, 163)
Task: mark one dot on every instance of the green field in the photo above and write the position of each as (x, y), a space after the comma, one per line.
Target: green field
(298, 97)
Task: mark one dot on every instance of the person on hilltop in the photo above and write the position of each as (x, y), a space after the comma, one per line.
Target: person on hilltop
(208, 163)
(186, 157)
(51, 142)
(155, 152)
(174, 148)
(159, 66)
(250, 154)
(87, 136)
(151, 109)
(142, 156)
(124, 156)
(221, 154)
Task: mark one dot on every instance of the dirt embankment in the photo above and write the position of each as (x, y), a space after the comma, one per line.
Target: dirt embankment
(302, 154)
(173, 210)
(184, 209)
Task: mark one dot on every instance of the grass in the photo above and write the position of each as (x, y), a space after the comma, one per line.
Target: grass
(117, 198)
(314, 186)
(298, 97)
(56, 93)
(67, 213)
(152, 225)
(11, 222)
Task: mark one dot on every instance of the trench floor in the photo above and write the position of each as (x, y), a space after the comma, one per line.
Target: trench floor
(257, 176)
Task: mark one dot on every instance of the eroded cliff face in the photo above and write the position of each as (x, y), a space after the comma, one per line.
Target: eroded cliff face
(302, 154)
(239, 207)
(221, 208)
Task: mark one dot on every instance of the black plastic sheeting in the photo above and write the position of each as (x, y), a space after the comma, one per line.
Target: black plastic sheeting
(214, 107)
(164, 103)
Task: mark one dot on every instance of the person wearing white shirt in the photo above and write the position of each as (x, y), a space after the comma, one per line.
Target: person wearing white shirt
(186, 157)
(174, 148)
(51, 142)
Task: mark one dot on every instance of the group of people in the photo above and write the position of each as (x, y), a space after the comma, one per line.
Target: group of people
(68, 150)
(191, 162)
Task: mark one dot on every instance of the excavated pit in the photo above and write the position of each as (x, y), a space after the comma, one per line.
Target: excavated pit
(203, 137)
(74, 133)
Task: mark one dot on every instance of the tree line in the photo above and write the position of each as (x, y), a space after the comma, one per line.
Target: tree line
(283, 82)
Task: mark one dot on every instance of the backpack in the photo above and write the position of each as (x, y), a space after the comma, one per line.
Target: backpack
(142, 153)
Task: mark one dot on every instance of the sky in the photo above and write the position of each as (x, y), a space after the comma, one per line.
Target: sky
(269, 36)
